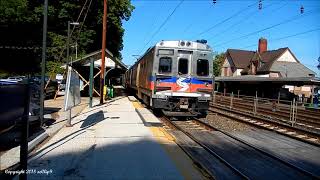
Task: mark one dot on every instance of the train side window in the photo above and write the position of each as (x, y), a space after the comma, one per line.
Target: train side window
(183, 66)
(202, 67)
(165, 64)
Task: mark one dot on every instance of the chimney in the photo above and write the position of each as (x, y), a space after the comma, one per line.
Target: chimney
(262, 46)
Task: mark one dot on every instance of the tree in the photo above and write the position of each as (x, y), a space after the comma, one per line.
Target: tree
(21, 30)
(218, 62)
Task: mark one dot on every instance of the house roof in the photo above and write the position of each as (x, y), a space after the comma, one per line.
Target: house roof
(291, 69)
(270, 56)
(240, 58)
(96, 56)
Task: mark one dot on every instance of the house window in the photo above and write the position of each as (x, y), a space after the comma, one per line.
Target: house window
(202, 67)
(165, 65)
(225, 71)
(183, 66)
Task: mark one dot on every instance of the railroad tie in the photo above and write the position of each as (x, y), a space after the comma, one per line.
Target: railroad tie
(291, 133)
(265, 125)
(312, 139)
(281, 130)
(301, 136)
(259, 123)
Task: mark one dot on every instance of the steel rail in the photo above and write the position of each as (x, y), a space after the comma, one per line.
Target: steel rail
(257, 148)
(309, 131)
(205, 147)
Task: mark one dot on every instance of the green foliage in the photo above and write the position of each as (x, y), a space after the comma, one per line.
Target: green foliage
(21, 25)
(53, 68)
(218, 62)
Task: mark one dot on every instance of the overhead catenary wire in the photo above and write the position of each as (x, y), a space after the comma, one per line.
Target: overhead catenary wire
(286, 37)
(245, 19)
(227, 19)
(187, 28)
(154, 22)
(267, 28)
(162, 25)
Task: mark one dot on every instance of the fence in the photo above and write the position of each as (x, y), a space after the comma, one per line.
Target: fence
(277, 109)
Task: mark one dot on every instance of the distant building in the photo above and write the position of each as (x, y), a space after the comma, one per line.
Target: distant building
(266, 63)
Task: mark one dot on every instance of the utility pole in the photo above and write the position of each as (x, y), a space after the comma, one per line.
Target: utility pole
(103, 52)
(43, 59)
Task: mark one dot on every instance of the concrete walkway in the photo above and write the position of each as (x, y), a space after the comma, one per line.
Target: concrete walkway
(109, 142)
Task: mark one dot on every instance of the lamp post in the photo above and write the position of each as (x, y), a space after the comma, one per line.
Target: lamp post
(67, 64)
(68, 40)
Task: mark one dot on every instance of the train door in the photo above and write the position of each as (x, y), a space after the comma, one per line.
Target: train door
(184, 71)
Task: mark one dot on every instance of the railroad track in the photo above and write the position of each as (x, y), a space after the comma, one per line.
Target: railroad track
(304, 118)
(306, 135)
(233, 157)
(312, 124)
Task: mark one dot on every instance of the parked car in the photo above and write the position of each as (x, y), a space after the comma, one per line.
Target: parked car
(52, 87)
(11, 104)
(62, 85)
(17, 78)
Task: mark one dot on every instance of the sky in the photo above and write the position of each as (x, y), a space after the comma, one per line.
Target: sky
(234, 24)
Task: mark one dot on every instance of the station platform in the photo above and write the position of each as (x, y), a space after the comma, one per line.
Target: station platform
(112, 141)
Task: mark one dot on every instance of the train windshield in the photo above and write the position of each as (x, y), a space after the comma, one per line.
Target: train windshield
(183, 66)
(202, 67)
(165, 65)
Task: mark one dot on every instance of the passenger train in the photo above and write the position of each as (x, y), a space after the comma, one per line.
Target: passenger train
(174, 76)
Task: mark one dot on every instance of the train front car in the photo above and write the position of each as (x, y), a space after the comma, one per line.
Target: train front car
(182, 79)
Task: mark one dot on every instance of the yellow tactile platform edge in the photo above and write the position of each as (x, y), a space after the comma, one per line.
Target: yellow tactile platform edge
(181, 160)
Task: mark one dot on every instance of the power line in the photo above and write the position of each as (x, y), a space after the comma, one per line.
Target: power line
(154, 22)
(163, 23)
(227, 19)
(289, 36)
(82, 9)
(187, 28)
(270, 27)
(244, 19)
(84, 19)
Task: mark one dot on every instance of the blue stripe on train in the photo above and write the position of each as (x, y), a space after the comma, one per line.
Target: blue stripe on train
(173, 79)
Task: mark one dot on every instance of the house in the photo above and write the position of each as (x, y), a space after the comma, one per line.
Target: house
(280, 63)
(265, 63)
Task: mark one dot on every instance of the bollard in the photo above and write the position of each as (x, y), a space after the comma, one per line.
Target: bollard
(255, 106)
(231, 100)
(290, 117)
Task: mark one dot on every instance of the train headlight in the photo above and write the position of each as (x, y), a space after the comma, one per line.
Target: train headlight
(188, 43)
(158, 82)
(182, 43)
(206, 83)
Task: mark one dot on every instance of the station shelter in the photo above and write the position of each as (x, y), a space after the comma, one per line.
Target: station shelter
(114, 70)
(267, 87)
